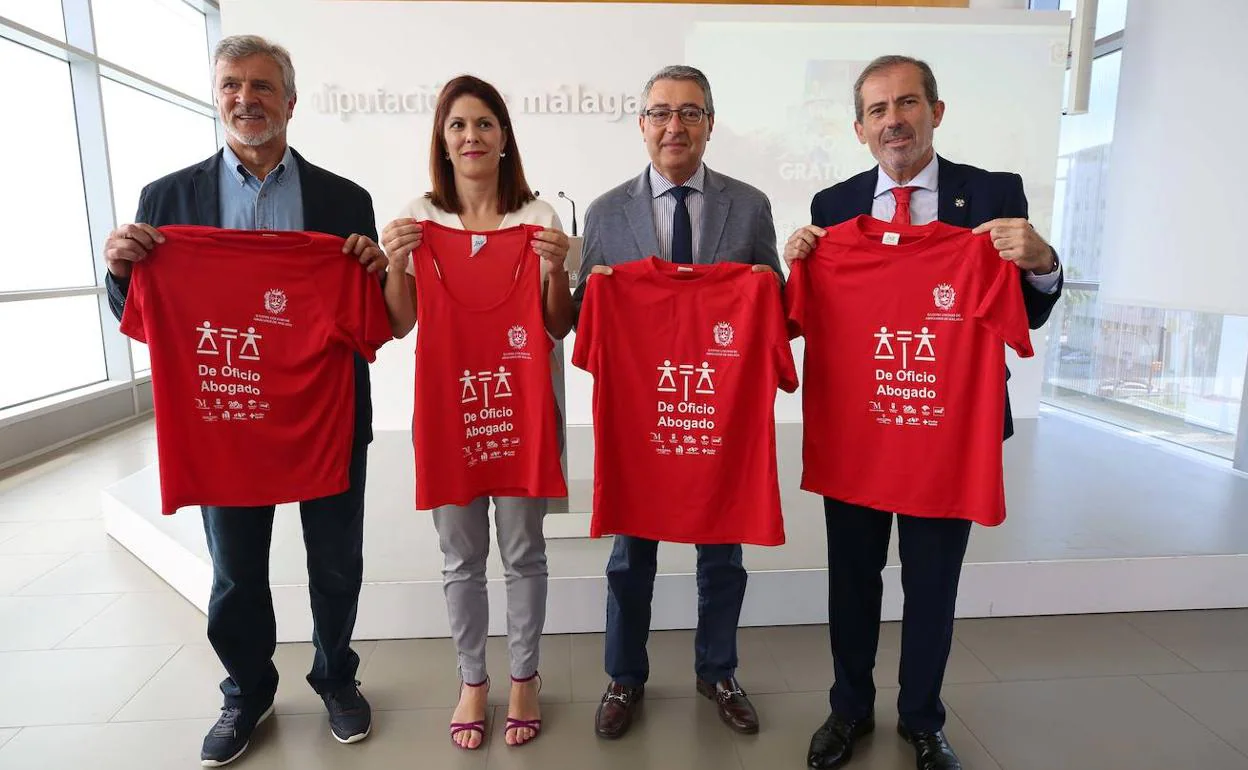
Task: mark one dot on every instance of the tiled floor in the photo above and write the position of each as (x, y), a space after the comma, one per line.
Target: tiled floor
(1148, 501)
(103, 666)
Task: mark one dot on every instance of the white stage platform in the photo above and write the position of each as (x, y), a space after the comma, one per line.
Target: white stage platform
(1099, 521)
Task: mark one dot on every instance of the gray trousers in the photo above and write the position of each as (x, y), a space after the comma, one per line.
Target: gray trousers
(464, 536)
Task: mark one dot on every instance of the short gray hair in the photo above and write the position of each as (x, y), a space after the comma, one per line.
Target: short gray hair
(881, 63)
(681, 72)
(241, 46)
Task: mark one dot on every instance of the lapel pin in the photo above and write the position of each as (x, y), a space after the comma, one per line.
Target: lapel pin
(959, 202)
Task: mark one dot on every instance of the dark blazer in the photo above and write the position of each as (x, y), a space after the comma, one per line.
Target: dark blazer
(331, 205)
(984, 195)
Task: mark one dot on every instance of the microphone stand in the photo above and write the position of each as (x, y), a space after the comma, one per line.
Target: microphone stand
(569, 200)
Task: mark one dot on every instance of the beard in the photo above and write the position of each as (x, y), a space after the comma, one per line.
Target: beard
(902, 157)
(273, 127)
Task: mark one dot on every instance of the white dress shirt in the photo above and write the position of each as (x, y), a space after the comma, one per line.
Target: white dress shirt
(923, 208)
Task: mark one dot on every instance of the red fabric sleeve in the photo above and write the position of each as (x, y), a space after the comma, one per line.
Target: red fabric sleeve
(772, 306)
(1001, 308)
(371, 323)
(132, 315)
(359, 316)
(585, 351)
(795, 290)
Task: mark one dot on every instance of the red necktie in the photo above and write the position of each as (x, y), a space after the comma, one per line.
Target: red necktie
(902, 195)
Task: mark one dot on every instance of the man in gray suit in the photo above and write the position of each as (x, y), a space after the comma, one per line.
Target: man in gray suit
(681, 211)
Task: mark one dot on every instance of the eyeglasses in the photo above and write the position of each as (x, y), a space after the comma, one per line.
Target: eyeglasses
(661, 116)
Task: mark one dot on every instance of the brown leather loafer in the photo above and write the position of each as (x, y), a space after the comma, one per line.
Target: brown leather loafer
(733, 704)
(616, 711)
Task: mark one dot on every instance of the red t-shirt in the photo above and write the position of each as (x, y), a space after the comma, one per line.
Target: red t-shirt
(251, 336)
(485, 420)
(904, 367)
(686, 361)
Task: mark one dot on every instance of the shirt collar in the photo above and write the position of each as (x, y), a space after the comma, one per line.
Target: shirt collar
(659, 184)
(240, 172)
(925, 179)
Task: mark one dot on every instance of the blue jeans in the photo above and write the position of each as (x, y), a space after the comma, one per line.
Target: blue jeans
(630, 587)
(241, 625)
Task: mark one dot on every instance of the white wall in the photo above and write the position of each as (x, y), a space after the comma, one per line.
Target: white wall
(1177, 168)
(782, 79)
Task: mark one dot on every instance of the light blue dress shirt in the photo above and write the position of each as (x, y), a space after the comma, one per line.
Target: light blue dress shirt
(248, 203)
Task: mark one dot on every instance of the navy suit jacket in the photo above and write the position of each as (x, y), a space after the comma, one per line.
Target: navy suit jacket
(331, 205)
(966, 196)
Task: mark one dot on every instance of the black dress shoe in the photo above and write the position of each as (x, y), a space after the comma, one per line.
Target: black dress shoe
(733, 704)
(832, 745)
(931, 749)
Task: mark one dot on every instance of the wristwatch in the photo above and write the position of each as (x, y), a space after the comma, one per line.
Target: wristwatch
(1057, 264)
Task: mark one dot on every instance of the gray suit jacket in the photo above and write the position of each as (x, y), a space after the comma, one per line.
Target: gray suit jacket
(736, 227)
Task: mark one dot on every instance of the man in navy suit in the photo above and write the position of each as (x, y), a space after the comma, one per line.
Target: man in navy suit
(896, 113)
(257, 182)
